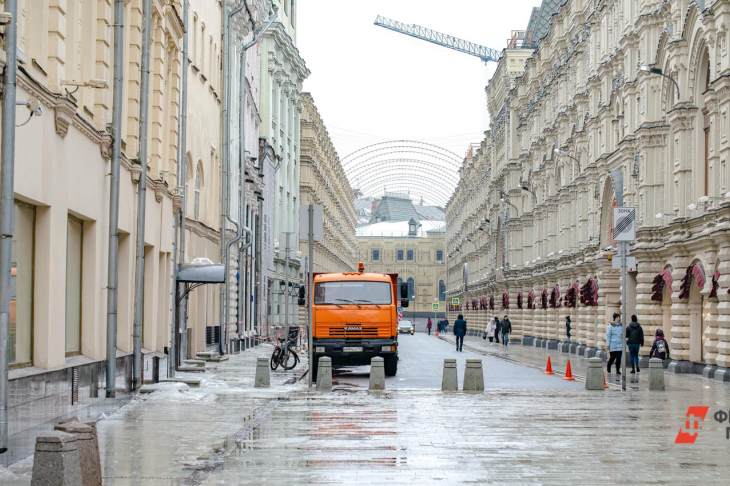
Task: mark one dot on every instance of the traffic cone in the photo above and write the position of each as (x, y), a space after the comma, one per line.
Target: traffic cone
(569, 372)
(549, 367)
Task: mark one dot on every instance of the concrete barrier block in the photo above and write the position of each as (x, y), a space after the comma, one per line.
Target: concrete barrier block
(473, 376)
(56, 461)
(324, 374)
(656, 374)
(88, 446)
(377, 373)
(263, 377)
(594, 374)
(449, 379)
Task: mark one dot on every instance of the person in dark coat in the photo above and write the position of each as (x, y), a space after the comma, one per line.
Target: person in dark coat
(506, 328)
(635, 340)
(568, 327)
(660, 348)
(497, 329)
(460, 332)
(428, 325)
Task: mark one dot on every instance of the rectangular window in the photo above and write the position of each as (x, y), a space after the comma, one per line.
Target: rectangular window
(74, 255)
(375, 255)
(20, 344)
(409, 255)
(439, 256)
(399, 255)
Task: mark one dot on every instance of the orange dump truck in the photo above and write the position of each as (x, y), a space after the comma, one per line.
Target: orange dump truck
(355, 318)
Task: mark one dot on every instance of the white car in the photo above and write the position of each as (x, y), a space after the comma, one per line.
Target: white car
(405, 326)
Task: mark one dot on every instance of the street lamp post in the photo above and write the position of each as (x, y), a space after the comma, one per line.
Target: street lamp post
(659, 72)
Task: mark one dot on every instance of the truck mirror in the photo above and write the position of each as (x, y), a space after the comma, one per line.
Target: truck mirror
(302, 295)
(404, 303)
(404, 291)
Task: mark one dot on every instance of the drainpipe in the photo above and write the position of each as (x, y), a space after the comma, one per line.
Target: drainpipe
(225, 173)
(144, 103)
(178, 239)
(7, 206)
(113, 270)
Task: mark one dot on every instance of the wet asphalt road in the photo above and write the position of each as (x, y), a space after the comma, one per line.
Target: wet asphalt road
(420, 365)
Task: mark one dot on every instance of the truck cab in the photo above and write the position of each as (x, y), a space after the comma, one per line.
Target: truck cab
(355, 318)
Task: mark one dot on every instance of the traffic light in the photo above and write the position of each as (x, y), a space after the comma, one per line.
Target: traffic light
(302, 295)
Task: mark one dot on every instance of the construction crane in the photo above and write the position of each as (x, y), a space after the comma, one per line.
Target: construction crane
(484, 53)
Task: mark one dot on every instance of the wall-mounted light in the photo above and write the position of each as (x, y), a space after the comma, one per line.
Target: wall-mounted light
(658, 71)
(91, 83)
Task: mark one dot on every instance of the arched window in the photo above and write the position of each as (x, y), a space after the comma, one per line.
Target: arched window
(442, 291)
(411, 288)
(704, 86)
(198, 185)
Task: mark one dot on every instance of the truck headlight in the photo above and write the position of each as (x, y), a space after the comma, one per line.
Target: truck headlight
(387, 348)
(319, 349)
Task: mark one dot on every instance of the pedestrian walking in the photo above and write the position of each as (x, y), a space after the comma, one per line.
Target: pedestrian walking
(460, 332)
(497, 329)
(446, 325)
(491, 328)
(615, 342)
(635, 340)
(660, 347)
(428, 325)
(506, 330)
(568, 327)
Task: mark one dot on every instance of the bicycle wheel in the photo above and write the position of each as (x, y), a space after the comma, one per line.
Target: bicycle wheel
(291, 360)
(275, 358)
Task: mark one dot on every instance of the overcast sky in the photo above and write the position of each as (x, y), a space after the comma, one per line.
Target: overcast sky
(371, 84)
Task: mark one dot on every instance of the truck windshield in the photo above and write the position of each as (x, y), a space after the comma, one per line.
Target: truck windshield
(352, 293)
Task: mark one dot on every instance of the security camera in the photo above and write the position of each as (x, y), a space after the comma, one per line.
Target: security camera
(97, 84)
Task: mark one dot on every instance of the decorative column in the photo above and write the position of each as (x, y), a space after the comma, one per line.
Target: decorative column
(709, 313)
(609, 298)
(648, 311)
(722, 356)
(679, 341)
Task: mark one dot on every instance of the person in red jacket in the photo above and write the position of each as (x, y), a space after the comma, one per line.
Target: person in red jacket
(428, 326)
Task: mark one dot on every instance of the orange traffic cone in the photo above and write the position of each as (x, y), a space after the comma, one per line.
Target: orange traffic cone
(549, 367)
(569, 372)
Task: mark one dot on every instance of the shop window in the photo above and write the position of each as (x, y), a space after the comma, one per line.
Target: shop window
(20, 342)
(74, 256)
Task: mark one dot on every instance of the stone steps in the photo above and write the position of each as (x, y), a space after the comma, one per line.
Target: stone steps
(191, 369)
(194, 362)
(191, 382)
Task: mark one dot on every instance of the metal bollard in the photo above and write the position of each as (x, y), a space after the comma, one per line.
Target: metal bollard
(88, 446)
(656, 374)
(449, 380)
(324, 374)
(263, 379)
(377, 373)
(473, 376)
(56, 461)
(594, 374)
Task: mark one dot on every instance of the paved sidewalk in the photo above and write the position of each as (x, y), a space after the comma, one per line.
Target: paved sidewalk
(537, 358)
(171, 435)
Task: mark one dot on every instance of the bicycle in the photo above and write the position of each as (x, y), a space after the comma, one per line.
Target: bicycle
(284, 354)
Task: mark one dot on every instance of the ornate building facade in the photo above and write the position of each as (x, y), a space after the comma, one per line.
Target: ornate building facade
(282, 73)
(607, 98)
(323, 182)
(416, 252)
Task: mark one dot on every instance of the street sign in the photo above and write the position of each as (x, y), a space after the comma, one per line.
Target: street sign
(455, 301)
(435, 306)
(630, 263)
(624, 224)
(304, 222)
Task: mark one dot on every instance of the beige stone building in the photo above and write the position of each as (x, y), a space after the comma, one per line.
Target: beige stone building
(62, 179)
(416, 251)
(323, 182)
(629, 97)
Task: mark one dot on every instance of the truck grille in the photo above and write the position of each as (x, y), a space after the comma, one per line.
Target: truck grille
(340, 332)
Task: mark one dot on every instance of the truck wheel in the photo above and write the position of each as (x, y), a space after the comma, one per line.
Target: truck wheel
(391, 365)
